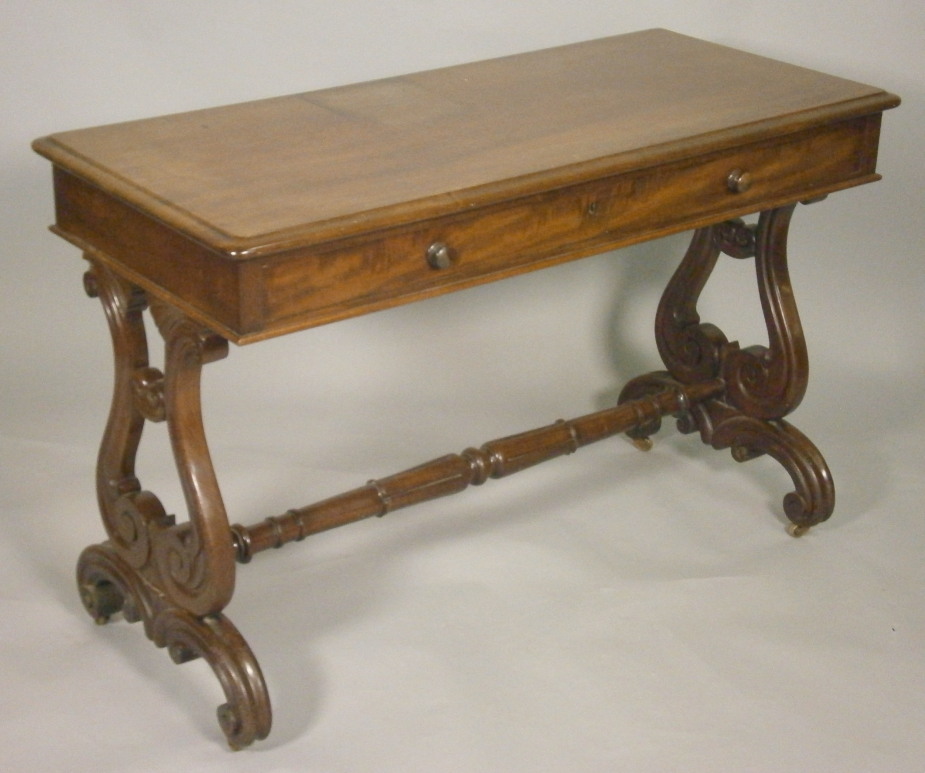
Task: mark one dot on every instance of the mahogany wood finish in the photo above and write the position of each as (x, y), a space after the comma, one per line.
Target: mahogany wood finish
(245, 222)
(455, 472)
(176, 578)
(761, 384)
(271, 216)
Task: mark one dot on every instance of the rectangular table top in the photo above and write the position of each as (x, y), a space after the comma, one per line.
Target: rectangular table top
(259, 180)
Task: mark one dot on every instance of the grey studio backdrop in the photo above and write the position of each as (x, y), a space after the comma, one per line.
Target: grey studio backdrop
(609, 611)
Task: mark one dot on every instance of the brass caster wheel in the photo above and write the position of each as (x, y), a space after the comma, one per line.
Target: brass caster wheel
(642, 443)
(102, 600)
(797, 530)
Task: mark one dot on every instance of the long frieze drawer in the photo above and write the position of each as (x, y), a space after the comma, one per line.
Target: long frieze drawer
(316, 285)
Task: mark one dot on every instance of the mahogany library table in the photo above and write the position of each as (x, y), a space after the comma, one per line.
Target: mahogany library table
(255, 220)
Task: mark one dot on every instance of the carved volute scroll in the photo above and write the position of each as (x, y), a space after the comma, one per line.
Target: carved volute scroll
(109, 585)
(765, 382)
(127, 511)
(770, 382)
(192, 562)
(761, 384)
(813, 498)
(195, 560)
(148, 387)
(174, 578)
(691, 350)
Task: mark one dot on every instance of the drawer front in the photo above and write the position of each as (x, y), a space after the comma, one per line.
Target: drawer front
(391, 267)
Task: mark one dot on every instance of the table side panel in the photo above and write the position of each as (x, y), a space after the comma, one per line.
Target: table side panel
(387, 268)
(161, 259)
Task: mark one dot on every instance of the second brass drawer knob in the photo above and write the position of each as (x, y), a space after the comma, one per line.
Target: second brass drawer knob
(739, 181)
(439, 255)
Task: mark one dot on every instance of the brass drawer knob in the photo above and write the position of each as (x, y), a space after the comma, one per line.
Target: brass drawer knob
(439, 255)
(739, 181)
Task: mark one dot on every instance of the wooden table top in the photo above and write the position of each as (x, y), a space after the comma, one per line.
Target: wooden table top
(262, 176)
(268, 217)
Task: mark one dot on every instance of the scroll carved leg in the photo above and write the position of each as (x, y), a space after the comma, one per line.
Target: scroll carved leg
(176, 578)
(108, 585)
(761, 384)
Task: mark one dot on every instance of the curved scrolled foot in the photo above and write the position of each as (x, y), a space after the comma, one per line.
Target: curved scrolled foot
(246, 716)
(109, 585)
(813, 499)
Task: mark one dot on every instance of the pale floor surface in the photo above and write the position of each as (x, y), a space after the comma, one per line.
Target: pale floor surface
(608, 611)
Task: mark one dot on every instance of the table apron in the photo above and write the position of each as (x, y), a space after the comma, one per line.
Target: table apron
(249, 299)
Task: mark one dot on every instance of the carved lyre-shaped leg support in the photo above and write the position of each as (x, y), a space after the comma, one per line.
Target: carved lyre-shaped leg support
(177, 577)
(761, 384)
(174, 577)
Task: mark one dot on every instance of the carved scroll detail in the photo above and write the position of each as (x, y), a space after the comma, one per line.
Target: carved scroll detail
(176, 578)
(195, 560)
(126, 510)
(148, 389)
(735, 239)
(761, 384)
(813, 499)
(246, 716)
(691, 350)
(192, 562)
(108, 586)
(770, 382)
(766, 382)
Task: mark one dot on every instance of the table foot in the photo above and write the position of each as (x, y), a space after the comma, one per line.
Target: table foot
(723, 426)
(174, 576)
(760, 384)
(813, 498)
(108, 586)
